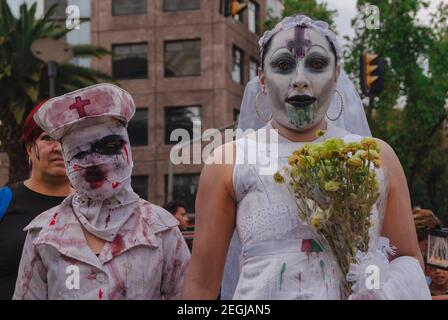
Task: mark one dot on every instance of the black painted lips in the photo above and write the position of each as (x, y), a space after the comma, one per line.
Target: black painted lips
(300, 100)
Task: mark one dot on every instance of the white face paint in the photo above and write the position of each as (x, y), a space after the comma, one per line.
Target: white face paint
(97, 155)
(300, 77)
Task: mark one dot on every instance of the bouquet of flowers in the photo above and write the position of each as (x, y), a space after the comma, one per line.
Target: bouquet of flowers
(335, 187)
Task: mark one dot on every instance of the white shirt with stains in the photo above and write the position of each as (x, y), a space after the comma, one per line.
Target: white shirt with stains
(146, 260)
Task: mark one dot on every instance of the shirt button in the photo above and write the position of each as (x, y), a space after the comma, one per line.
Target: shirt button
(100, 277)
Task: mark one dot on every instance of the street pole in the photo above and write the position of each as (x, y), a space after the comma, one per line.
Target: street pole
(52, 52)
(52, 71)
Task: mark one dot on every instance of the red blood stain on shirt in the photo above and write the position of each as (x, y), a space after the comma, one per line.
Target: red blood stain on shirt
(100, 294)
(117, 245)
(115, 184)
(53, 220)
(306, 246)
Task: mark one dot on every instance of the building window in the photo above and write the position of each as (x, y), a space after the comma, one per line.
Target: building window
(140, 186)
(59, 13)
(184, 189)
(254, 17)
(253, 68)
(182, 58)
(188, 118)
(130, 61)
(237, 65)
(126, 7)
(181, 5)
(138, 128)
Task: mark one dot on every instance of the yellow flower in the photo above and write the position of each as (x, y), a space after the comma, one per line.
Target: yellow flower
(316, 151)
(372, 155)
(351, 147)
(307, 161)
(370, 143)
(332, 186)
(306, 148)
(317, 219)
(361, 154)
(376, 163)
(355, 161)
(278, 178)
(332, 147)
(293, 159)
(320, 133)
(294, 171)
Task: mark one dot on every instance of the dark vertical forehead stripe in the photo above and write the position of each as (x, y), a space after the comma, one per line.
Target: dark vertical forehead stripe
(300, 45)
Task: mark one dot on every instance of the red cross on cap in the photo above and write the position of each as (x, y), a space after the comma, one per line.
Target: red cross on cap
(79, 106)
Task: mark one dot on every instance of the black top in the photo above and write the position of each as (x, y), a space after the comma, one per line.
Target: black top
(24, 207)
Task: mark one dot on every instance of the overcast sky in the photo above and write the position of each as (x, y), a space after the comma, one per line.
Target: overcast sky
(347, 10)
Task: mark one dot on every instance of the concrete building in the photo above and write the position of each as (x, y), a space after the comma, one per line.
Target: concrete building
(186, 66)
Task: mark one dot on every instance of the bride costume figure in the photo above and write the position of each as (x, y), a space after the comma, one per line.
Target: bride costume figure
(302, 89)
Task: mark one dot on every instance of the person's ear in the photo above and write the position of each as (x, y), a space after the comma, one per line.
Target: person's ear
(29, 148)
(261, 79)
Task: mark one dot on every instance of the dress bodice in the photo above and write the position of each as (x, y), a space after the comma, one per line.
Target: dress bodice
(277, 259)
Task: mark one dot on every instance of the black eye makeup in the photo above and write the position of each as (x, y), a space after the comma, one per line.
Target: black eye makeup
(109, 145)
(316, 63)
(81, 155)
(283, 63)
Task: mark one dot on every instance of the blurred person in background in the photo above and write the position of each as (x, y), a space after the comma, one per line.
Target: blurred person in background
(425, 221)
(178, 210)
(21, 202)
(439, 284)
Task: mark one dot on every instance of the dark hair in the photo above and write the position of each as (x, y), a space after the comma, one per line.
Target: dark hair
(267, 45)
(172, 206)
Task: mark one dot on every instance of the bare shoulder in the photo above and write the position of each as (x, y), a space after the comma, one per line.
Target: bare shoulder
(392, 167)
(218, 168)
(388, 156)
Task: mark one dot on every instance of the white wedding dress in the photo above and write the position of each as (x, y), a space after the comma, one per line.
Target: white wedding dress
(278, 258)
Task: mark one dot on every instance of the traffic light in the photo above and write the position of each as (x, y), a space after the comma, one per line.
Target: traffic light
(232, 7)
(371, 74)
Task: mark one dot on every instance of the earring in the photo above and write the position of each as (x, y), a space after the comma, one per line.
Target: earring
(258, 111)
(30, 163)
(340, 111)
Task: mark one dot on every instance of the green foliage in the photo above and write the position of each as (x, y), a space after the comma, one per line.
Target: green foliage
(310, 8)
(417, 73)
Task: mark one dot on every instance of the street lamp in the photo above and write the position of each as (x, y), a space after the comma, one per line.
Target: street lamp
(52, 52)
